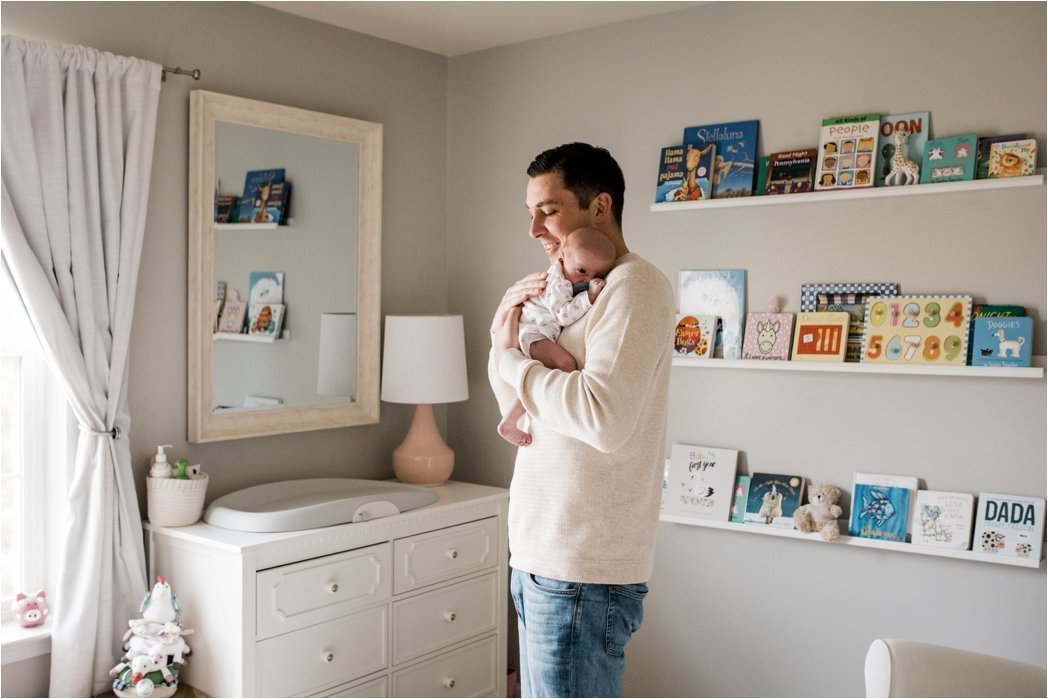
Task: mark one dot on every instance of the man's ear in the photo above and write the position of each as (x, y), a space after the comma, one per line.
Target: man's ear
(600, 208)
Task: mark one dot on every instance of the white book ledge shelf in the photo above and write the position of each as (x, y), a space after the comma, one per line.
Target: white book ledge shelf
(243, 337)
(845, 540)
(1033, 372)
(860, 193)
(251, 226)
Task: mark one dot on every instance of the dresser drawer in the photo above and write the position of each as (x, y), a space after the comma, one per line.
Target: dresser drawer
(440, 618)
(338, 651)
(295, 596)
(429, 558)
(377, 687)
(466, 672)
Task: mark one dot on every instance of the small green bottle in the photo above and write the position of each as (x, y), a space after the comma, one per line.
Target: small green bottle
(180, 469)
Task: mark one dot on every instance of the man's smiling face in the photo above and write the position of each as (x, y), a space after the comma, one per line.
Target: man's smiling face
(554, 212)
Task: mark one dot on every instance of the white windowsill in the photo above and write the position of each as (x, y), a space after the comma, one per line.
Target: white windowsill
(21, 644)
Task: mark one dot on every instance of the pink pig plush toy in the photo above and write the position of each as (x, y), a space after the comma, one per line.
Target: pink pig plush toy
(30, 611)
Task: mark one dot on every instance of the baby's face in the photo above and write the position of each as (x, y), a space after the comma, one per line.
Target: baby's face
(580, 266)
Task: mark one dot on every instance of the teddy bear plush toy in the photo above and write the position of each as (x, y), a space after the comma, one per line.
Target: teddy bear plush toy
(821, 512)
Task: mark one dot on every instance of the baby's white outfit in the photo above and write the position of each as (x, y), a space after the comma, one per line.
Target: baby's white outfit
(544, 316)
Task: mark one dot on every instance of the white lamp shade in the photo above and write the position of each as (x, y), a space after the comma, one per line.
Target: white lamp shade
(424, 360)
(337, 358)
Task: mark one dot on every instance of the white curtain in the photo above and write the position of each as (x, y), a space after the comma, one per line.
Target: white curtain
(78, 133)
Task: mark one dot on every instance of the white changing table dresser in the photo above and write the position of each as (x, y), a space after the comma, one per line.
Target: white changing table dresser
(413, 605)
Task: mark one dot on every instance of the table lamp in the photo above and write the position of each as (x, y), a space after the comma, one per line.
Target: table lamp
(424, 362)
(337, 356)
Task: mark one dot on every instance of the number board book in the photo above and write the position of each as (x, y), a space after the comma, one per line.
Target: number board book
(768, 336)
(881, 506)
(820, 337)
(735, 160)
(982, 152)
(942, 519)
(1013, 158)
(917, 125)
(847, 152)
(1002, 341)
(695, 336)
(721, 293)
(738, 502)
(772, 499)
(701, 481)
(917, 329)
(671, 173)
(791, 172)
(256, 192)
(1009, 525)
(949, 159)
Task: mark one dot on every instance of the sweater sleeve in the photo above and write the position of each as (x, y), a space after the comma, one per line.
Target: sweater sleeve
(627, 341)
(505, 394)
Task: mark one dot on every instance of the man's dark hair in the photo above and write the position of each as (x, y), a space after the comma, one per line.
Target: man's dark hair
(587, 171)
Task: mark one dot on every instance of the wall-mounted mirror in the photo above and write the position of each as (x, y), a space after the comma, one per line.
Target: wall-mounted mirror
(285, 212)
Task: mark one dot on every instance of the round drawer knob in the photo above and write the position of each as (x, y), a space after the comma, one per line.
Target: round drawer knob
(331, 588)
(450, 616)
(328, 657)
(453, 554)
(449, 682)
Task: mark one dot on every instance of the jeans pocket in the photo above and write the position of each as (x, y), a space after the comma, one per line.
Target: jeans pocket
(625, 615)
(550, 586)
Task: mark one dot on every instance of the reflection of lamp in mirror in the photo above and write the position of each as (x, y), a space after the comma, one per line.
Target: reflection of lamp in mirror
(337, 360)
(424, 362)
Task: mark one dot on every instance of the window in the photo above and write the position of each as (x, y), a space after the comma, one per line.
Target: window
(35, 436)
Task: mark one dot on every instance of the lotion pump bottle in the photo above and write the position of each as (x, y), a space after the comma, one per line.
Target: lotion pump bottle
(160, 468)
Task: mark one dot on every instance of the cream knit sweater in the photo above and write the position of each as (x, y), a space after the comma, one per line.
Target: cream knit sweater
(584, 500)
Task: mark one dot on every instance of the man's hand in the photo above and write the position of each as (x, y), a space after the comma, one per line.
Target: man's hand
(521, 291)
(595, 287)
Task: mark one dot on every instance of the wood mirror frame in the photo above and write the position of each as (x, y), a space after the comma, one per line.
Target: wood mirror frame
(206, 425)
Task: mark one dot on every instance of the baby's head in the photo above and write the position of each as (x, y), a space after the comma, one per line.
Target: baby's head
(586, 254)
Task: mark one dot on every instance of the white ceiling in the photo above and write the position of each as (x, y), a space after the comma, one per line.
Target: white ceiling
(456, 28)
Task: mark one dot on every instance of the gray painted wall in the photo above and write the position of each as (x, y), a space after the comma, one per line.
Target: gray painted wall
(715, 625)
(732, 614)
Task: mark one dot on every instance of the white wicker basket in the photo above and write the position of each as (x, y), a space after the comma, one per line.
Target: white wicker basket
(173, 502)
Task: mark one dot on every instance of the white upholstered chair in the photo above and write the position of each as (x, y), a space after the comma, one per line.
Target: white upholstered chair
(896, 668)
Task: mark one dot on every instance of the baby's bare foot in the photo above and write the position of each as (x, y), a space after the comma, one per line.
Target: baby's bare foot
(513, 435)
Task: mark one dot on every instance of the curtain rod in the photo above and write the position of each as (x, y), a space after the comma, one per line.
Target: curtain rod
(177, 70)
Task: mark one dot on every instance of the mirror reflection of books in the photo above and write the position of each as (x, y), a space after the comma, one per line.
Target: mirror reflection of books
(265, 319)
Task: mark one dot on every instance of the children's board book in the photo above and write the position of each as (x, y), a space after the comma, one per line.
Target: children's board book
(768, 336)
(697, 180)
(233, 312)
(762, 175)
(982, 152)
(1013, 158)
(1009, 525)
(881, 506)
(983, 310)
(821, 336)
(791, 172)
(701, 481)
(735, 160)
(721, 293)
(1002, 341)
(671, 173)
(265, 319)
(847, 152)
(277, 206)
(917, 329)
(257, 185)
(942, 519)
(266, 287)
(916, 124)
(738, 501)
(949, 159)
(695, 336)
(772, 499)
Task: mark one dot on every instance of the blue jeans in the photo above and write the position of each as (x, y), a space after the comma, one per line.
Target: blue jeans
(573, 635)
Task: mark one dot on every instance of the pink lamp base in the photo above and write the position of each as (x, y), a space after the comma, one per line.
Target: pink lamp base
(423, 458)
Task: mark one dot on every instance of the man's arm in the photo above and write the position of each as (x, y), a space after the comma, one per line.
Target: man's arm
(625, 342)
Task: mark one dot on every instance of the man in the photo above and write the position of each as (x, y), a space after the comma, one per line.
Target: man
(585, 495)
